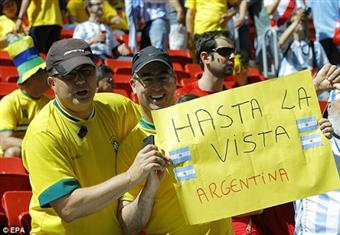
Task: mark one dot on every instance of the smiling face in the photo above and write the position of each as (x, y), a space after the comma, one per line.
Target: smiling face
(154, 86)
(75, 91)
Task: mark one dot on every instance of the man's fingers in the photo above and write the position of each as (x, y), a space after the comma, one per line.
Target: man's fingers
(333, 73)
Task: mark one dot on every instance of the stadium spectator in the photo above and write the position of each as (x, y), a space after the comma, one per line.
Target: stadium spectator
(45, 22)
(320, 214)
(97, 34)
(178, 31)
(154, 208)
(153, 16)
(215, 52)
(18, 108)
(70, 149)
(8, 16)
(105, 80)
(111, 16)
(204, 16)
(299, 51)
(325, 15)
(280, 11)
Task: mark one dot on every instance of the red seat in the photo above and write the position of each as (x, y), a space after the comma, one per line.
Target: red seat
(13, 182)
(7, 87)
(15, 203)
(25, 221)
(5, 59)
(66, 33)
(12, 165)
(180, 56)
(8, 74)
(254, 75)
(177, 66)
(122, 82)
(3, 221)
(119, 66)
(195, 70)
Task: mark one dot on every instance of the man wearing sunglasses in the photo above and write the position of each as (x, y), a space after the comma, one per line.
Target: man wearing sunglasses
(215, 53)
(70, 149)
(153, 206)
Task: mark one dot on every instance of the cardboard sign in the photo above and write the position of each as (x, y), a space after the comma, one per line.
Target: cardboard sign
(247, 148)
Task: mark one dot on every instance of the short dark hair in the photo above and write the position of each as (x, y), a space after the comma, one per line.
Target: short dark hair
(102, 70)
(3, 2)
(206, 42)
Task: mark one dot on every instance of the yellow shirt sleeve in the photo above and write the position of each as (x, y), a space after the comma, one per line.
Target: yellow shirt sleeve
(7, 114)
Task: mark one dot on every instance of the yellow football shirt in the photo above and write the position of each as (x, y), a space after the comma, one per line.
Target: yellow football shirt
(208, 14)
(76, 9)
(166, 217)
(17, 110)
(60, 160)
(7, 25)
(44, 12)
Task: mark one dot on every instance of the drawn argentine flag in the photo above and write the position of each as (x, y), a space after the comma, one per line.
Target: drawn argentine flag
(311, 141)
(307, 124)
(185, 173)
(180, 155)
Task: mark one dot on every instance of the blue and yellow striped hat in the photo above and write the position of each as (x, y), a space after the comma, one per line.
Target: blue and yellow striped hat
(25, 57)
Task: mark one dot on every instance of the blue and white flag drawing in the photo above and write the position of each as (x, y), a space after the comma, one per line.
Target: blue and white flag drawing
(311, 141)
(185, 173)
(180, 155)
(307, 124)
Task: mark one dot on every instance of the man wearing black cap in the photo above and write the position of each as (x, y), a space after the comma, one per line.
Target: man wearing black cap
(70, 147)
(153, 206)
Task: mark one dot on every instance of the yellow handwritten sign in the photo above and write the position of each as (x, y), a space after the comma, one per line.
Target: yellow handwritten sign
(248, 148)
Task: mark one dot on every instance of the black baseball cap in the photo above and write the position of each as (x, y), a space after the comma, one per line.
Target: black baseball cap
(67, 54)
(147, 55)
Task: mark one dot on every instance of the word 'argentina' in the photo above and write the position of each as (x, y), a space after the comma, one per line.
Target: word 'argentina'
(216, 190)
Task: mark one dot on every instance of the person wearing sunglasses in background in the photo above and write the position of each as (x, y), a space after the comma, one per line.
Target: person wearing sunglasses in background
(105, 80)
(215, 53)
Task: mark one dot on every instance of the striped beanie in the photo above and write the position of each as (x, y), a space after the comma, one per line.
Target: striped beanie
(25, 57)
(334, 95)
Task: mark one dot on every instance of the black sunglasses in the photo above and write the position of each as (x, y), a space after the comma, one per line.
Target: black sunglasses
(224, 51)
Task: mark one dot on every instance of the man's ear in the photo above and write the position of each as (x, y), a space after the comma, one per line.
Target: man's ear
(205, 57)
(133, 85)
(50, 81)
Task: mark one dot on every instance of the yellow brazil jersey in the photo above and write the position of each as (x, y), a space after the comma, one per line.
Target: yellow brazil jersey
(166, 217)
(76, 9)
(44, 12)
(208, 14)
(109, 12)
(62, 153)
(7, 25)
(17, 110)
